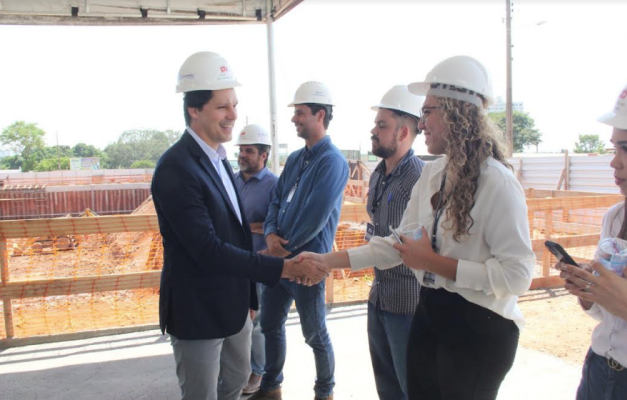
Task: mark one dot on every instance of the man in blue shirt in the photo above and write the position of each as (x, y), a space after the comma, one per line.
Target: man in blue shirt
(255, 184)
(303, 216)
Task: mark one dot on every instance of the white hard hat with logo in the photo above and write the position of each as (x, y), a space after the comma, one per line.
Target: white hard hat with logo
(618, 116)
(312, 93)
(401, 99)
(253, 134)
(205, 71)
(458, 77)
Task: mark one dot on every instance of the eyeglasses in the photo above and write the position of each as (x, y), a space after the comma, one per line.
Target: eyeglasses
(426, 111)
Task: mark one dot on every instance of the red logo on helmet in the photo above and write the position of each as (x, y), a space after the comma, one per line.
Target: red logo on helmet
(223, 69)
(624, 94)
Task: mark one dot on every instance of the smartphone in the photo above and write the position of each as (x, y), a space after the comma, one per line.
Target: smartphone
(396, 236)
(559, 252)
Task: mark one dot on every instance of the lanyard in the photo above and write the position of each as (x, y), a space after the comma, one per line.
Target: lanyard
(438, 212)
(377, 197)
(304, 163)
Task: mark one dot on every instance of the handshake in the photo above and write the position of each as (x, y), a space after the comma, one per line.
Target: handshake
(306, 269)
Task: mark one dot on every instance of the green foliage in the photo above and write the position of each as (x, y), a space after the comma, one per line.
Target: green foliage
(138, 145)
(134, 149)
(86, 150)
(143, 164)
(53, 164)
(589, 144)
(25, 139)
(525, 132)
(12, 162)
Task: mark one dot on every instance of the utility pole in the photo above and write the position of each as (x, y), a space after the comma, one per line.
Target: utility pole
(56, 134)
(508, 102)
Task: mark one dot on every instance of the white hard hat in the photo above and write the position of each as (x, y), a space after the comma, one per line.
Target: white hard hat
(205, 71)
(460, 77)
(253, 134)
(401, 99)
(312, 93)
(618, 116)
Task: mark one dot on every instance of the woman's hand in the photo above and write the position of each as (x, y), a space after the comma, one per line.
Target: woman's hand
(607, 290)
(416, 253)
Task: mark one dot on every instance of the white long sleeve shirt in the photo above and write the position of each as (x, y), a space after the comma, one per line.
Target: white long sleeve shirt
(495, 260)
(609, 338)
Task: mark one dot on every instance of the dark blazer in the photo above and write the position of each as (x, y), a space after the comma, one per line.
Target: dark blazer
(207, 283)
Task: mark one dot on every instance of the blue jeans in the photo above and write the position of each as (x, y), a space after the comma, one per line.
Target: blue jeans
(258, 350)
(310, 304)
(600, 382)
(388, 334)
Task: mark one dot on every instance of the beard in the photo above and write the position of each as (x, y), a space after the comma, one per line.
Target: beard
(247, 168)
(382, 151)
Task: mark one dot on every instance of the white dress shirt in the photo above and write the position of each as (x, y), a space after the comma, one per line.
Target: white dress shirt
(495, 260)
(216, 157)
(609, 338)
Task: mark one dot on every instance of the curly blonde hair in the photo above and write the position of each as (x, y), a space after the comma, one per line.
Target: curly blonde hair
(470, 139)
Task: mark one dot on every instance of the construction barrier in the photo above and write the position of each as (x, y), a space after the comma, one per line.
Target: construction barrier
(75, 277)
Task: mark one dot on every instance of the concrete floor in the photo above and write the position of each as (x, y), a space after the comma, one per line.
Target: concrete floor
(141, 366)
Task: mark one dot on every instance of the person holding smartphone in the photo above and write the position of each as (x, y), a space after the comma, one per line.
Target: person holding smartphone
(474, 257)
(604, 297)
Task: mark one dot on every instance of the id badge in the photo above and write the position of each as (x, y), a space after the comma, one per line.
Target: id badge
(291, 194)
(369, 232)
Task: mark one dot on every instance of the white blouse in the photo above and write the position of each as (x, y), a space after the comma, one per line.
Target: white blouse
(495, 260)
(609, 338)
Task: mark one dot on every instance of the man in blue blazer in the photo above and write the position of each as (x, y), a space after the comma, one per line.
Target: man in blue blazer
(209, 271)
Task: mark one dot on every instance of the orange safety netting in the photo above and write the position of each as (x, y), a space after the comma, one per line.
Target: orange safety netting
(84, 282)
(77, 281)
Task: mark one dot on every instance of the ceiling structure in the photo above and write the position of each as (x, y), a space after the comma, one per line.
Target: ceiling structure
(141, 12)
(158, 12)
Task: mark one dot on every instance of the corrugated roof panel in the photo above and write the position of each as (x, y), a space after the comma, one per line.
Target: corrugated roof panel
(139, 12)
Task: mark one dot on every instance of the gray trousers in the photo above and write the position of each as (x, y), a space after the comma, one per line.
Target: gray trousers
(215, 369)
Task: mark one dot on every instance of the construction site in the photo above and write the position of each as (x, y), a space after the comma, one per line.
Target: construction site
(90, 273)
(81, 254)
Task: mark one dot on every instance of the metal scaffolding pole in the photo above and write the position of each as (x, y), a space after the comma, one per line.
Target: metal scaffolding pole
(272, 88)
(508, 102)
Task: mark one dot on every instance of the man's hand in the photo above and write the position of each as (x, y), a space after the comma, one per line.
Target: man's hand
(305, 271)
(307, 255)
(275, 245)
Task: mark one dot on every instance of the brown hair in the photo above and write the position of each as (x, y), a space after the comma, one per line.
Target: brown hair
(471, 138)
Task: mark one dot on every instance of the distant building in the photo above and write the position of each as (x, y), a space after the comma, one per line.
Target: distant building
(500, 106)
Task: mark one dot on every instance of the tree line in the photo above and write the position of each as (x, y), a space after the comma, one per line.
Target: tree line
(141, 148)
(136, 148)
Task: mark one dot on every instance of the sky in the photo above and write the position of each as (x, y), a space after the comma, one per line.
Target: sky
(90, 84)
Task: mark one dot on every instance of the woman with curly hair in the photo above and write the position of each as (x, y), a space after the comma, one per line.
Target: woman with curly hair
(474, 257)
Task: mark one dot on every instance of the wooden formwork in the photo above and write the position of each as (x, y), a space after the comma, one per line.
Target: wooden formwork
(65, 286)
(544, 215)
(570, 219)
(42, 288)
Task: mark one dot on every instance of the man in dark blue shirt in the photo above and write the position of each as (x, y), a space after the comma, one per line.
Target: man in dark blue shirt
(303, 216)
(255, 184)
(394, 294)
